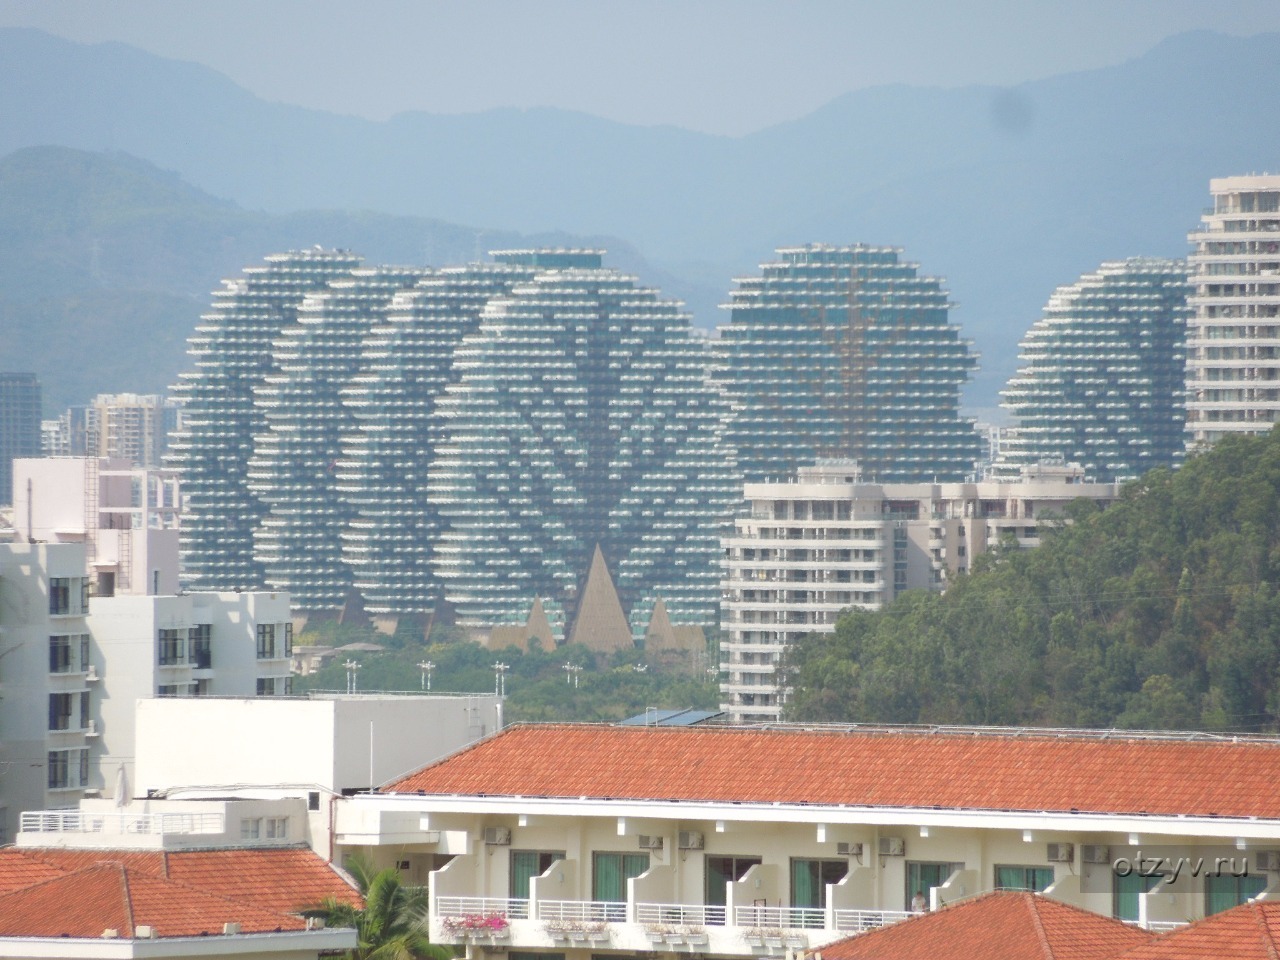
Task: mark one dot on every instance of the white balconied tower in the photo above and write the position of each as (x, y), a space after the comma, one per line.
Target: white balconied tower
(581, 416)
(405, 364)
(295, 465)
(847, 351)
(1102, 371)
(1233, 344)
(231, 354)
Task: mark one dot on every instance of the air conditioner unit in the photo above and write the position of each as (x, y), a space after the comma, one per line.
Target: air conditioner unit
(1267, 859)
(650, 843)
(892, 847)
(1094, 853)
(500, 836)
(849, 850)
(1061, 853)
(690, 840)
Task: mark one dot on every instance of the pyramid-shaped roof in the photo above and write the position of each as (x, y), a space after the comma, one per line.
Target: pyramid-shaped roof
(600, 624)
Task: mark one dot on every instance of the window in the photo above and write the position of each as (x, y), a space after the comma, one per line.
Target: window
(526, 864)
(288, 639)
(922, 876)
(1222, 892)
(201, 646)
(59, 595)
(171, 690)
(60, 711)
(266, 641)
(68, 769)
(809, 879)
(69, 653)
(84, 709)
(266, 686)
(251, 828)
(1023, 878)
(276, 828)
(610, 873)
(1126, 892)
(173, 647)
(720, 872)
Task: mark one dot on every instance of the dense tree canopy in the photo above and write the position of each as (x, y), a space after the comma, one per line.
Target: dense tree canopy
(1160, 612)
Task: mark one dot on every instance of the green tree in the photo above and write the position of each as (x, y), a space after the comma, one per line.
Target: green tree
(392, 924)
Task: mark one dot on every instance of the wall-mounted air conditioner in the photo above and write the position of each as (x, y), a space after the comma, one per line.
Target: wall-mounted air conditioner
(1266, 859)
(1061, 853)
(650, 843)
(499, 836)
(1094, 853)
(690, 840)
(849, 850)
(892, 847)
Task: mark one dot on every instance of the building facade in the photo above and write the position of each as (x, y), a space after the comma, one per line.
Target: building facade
(809, 550)
(1103, 373)
(20, 424)
(231, 355)
(846, 352)
(577, 841)
(582, 418)
(1233, 341)
(293, 472)
(405, 364)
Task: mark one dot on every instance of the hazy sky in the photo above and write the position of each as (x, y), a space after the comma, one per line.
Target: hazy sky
(723, 66)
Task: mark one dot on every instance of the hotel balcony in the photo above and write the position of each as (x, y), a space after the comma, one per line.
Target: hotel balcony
(631, 926)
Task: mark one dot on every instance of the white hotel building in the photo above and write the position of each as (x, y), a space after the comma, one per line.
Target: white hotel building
(1233, 338)
(814, 547)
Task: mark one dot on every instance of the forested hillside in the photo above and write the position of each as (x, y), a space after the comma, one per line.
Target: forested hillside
(1161, 611)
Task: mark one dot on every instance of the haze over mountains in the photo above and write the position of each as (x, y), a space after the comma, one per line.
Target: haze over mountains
(1005, 192)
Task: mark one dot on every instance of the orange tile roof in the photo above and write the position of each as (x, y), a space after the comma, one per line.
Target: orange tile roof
(1248, 932)
(86, 902)
(284, 880)
(17, 872)
(952, 770)
(1010, 926)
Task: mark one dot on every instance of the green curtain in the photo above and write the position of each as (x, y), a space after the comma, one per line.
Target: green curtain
(524, 865)
(1224, 892)
(804, 886)
(608, 877)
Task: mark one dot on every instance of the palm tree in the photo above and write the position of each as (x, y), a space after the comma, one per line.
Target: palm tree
(392, 925)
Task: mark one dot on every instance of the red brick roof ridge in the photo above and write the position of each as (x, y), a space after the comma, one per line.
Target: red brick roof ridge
(126, 897)
(1268, 941)
(1033, 907)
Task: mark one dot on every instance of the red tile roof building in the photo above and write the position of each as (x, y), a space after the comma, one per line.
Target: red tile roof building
(1247, 932)
(1011, 926)
(952, 769)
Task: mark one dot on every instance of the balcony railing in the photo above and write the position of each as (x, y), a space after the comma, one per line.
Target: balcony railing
(606, 911)
(858, 921)
(512, 908)
(794, 918)
(155, 824)
(684, 913)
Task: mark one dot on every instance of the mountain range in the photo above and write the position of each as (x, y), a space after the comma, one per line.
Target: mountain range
(1006, 192)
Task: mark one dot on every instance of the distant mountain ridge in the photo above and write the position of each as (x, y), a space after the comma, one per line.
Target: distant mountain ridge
(1006, 192)
(106, 263)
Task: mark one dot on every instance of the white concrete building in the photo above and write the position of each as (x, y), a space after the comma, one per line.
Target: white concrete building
(191, 645)
(588, 840)
(1233, 338)
(47, 680)
(812, 548)
(126, 517)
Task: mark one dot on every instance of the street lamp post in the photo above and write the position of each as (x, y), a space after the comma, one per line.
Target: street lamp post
(500, 679)
(571, 671)
(426, 666)
(352, 667)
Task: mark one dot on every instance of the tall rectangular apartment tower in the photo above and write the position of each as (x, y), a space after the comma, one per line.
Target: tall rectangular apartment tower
(1233, 336)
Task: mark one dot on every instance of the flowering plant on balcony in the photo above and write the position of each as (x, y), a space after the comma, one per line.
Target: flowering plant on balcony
(482, 924)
